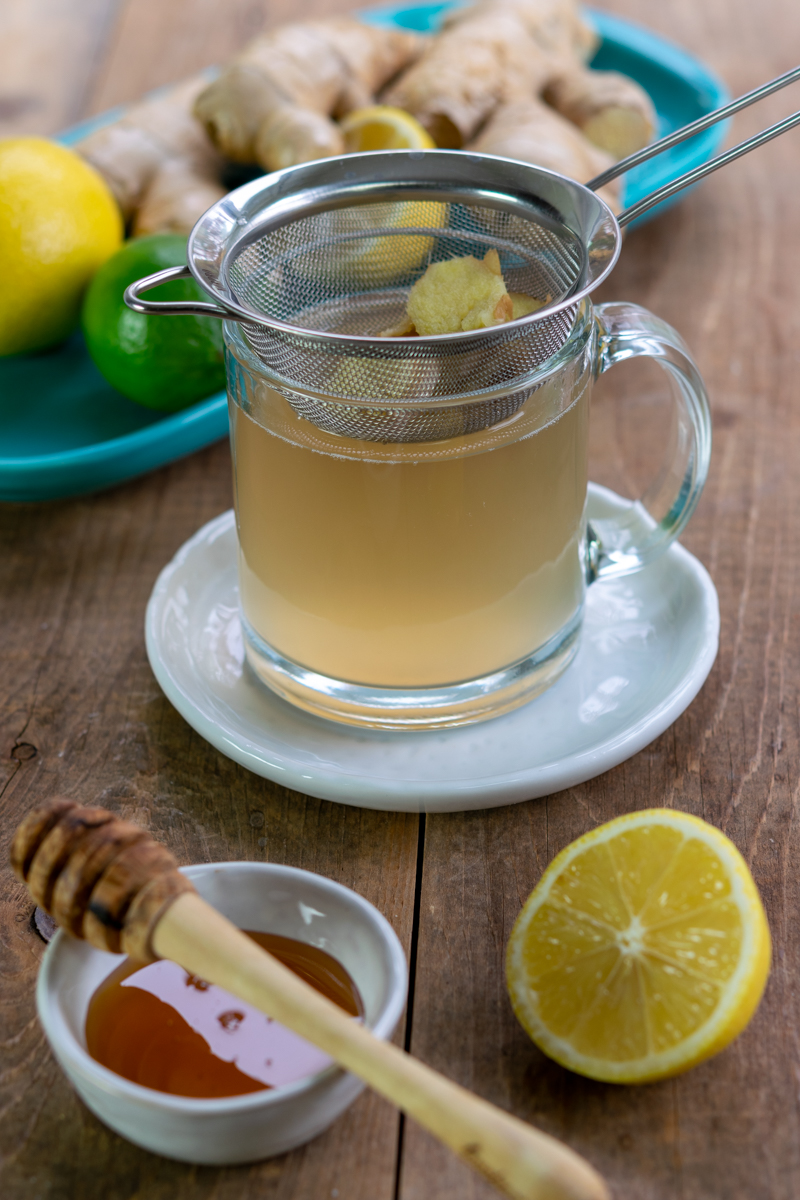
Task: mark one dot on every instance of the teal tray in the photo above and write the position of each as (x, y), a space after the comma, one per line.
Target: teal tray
(64, 431)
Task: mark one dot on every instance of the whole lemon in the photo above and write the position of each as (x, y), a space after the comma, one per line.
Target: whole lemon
(160, 361)
(58, 223)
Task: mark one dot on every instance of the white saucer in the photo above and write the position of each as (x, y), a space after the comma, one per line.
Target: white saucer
(647, 646)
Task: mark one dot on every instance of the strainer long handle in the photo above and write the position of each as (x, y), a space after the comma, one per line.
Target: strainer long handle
(687, 131)
(680, 135)
(684, 181)
(175, 308)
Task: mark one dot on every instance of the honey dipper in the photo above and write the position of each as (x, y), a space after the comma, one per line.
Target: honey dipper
(108, 881)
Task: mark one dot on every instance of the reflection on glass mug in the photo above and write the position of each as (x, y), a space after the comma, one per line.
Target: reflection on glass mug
(432, 583)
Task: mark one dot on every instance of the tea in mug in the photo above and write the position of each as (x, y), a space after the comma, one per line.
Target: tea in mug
(412, 564)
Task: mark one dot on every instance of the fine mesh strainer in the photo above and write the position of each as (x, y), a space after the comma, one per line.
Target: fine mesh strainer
(346, 272)
(317, 260)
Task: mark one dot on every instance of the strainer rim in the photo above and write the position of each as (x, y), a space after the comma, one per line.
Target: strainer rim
(246, 315)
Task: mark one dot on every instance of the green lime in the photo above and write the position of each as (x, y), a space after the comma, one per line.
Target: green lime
(161, 362)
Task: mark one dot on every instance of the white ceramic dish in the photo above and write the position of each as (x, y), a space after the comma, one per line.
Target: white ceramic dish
(648, 643)
(237, 1129)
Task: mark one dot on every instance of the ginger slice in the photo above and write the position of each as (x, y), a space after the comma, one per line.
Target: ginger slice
(461, 293)
(403, 328)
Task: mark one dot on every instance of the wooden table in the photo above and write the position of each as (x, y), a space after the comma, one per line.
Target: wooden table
(81, 712)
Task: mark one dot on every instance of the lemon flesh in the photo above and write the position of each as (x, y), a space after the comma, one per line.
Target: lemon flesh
(58, 224)
(384, 260)
(643, 950)
(381, 127)
(372, 248)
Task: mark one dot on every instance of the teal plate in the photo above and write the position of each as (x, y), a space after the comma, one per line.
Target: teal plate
(64, 431)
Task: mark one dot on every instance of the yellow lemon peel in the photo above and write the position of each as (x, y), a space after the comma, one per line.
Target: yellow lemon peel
(58, 224)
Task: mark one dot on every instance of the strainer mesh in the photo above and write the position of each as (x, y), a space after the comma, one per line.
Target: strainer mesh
(348, 270)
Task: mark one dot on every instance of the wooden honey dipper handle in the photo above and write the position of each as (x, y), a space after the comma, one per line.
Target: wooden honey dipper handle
(105, 880)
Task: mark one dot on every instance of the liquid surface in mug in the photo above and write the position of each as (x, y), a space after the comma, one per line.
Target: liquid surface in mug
(426, 569)
(161, 1027)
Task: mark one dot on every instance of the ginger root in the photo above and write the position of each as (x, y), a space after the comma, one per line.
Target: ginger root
(274, 103)
(178, 194)
(480, 83)
(611, 110)
(159, 145)
(532, 131)
(502, 52)
(483, 58)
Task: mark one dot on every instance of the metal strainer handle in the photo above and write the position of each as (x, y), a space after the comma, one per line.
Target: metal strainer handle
(175, 308)
(687, 131)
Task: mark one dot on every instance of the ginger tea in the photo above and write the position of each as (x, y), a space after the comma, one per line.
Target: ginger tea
(411, 565)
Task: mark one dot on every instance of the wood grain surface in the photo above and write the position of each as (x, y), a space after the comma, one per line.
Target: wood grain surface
(80, 712)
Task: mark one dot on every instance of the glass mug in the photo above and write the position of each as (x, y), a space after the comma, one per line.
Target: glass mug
(427, 584)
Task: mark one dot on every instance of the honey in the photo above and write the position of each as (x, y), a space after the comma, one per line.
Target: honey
(163, 1028)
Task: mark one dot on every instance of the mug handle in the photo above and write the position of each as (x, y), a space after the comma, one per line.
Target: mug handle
(623, 544)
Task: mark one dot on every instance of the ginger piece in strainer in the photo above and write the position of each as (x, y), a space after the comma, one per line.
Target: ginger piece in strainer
(461, 293)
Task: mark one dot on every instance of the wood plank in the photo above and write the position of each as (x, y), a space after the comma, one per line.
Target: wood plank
(78, 693)
(720, 268)
(104, 732)
(80, 711)
(50, 53)
(156, 43)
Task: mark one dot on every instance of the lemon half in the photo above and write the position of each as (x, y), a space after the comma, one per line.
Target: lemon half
(381, 127)
(643, 950)
(381, 261)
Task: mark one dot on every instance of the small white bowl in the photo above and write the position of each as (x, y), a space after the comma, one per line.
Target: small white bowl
(236, 1129)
